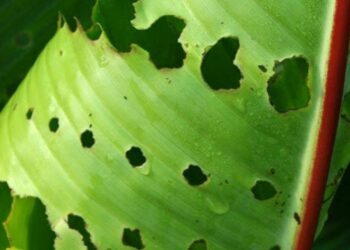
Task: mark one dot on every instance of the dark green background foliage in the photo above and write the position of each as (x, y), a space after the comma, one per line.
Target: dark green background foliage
(26, 27)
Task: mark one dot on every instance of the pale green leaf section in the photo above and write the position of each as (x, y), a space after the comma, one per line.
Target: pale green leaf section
(235, 136)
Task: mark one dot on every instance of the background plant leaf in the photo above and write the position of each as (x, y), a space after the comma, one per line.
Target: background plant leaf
(27, 226)
(26, 27)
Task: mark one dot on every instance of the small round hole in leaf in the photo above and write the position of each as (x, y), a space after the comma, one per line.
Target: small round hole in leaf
(198, 245)
(29, 113)
(263, 190)
(87, 139)
(276, 247)
(194, 175)
(54, 124)
(135, 156)
(132, 238)
(262, 68)
(297, 218)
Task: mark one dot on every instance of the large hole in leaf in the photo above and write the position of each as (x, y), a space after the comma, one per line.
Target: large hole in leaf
(198, 245)
(194, 175)
(160, 40)
(217, 67)
(87, 139)
(28, 227)
(287, 88)
(78, 224)
(119, 30)
(135, 156)
(54, 124)
(132, 238)
(263, 190)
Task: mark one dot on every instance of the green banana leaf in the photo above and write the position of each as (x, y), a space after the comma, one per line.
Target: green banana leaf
(194, 127)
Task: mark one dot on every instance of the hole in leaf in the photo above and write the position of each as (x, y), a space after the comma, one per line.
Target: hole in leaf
(262, 68)
(194, 175)
(23, 39)
(217, 67)
(54, 124)
(297, 218)
(78, 224)
(119, 30)
(29, 113)
(198, 245)
(263, 190)
(87, 139)
(28, 214)
(160, 40)
(135, 156)
(287, 88)
(132, 238)
(272, 171)
(276, 247)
